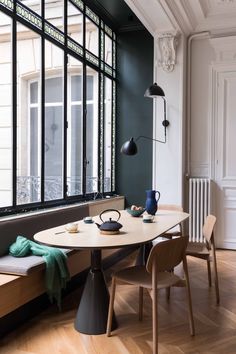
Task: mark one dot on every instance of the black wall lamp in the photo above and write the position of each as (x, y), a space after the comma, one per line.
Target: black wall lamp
(130, 147)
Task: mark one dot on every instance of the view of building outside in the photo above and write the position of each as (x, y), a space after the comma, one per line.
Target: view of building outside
(5, 112)
(29, 129)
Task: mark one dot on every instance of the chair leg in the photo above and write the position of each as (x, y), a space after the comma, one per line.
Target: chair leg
(216, 277)
(154, 321)
(190, 309)
(168, 294)
(209, 271)
(168, 289)
(111, 306)
(140, 308)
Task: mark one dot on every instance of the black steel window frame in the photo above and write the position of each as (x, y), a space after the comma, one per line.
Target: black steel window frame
(9, 7)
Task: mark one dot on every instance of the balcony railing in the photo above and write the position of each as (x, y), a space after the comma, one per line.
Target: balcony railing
(29, 188)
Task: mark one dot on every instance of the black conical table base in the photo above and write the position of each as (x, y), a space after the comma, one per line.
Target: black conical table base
(92, 313)
(143, 253)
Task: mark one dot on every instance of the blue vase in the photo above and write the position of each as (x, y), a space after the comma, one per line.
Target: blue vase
(151, 201)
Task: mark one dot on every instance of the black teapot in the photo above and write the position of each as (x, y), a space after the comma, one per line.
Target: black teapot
(112, 226)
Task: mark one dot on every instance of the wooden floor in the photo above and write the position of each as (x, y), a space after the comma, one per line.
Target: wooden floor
(53, 332)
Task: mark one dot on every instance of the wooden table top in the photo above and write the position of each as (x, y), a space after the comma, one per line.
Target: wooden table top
(134, 231)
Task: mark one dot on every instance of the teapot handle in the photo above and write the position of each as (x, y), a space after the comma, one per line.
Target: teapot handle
(107, 210)
(159, 195)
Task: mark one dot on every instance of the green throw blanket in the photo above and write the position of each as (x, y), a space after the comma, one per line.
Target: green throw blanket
(57, 273)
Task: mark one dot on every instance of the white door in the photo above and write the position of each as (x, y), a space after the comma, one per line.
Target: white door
(225, 155)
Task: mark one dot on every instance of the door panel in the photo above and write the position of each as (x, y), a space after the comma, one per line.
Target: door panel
(225, 163)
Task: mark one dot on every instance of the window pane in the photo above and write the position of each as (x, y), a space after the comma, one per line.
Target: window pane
(28, 121)
(92, 132)
(5, 112)
(54, 13)
(53, 93)
(90, 93)
(76, 87)
(75, 128)
(34, 92)
(75, 23)
(107, 134)
(53, 123)
(108, 50)
(91, 37)
(33, 5)
(75, 150)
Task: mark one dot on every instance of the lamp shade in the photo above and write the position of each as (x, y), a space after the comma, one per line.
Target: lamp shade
(129, 148)
(154, 91)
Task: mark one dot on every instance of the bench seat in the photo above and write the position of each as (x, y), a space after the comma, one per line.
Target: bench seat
(24, 265)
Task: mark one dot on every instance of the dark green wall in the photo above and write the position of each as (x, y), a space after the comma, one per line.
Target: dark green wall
(134, 114)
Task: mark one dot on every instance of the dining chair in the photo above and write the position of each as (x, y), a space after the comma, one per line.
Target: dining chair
(155, 276)
(178, 230)
(206, 251)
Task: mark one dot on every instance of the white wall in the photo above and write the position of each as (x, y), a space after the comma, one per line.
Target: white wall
(202, 55)
(212, 133)
(168, 162)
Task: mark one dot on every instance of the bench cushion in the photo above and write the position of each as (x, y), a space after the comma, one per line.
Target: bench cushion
(23, 265)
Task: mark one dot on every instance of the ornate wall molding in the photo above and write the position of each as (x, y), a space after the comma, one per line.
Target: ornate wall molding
(167, 43)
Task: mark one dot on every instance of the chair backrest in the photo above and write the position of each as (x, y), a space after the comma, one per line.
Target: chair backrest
(173, 207)
(208, 227)
(167, 254)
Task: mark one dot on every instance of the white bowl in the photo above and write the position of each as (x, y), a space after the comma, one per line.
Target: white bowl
(72, 227)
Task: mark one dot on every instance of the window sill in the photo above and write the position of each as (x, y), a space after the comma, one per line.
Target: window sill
(91, 204)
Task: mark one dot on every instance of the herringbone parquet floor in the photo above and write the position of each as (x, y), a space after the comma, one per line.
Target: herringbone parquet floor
(53, 332)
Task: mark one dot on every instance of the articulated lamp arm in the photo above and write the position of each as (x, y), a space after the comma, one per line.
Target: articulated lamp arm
(130, 147)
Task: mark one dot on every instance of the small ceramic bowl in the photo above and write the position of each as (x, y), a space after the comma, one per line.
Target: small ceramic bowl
(88, 220)
(135, 213)
(147, 218)
(72, 227)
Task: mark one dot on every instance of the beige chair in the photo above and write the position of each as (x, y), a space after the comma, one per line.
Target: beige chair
(154, 276)
(178, 230)
(206, 250)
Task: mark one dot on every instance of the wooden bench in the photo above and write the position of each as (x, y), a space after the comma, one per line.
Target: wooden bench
(17, 290)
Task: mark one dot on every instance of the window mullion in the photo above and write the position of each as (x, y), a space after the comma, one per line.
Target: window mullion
(113, 127)
(84, 130)
(65, 189)
(42, 107)
(100, 108)
(101, 133)
(84, 98)
(14, 108)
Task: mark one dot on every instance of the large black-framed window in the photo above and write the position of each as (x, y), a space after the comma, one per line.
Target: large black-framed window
(57, 104)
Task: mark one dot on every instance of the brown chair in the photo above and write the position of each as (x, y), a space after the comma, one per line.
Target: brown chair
(154, 276)
(206, 250)
(178, 230)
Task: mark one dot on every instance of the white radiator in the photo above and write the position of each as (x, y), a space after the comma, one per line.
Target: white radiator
(199, 206)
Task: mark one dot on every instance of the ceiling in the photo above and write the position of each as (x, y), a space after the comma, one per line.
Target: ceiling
(188, 16)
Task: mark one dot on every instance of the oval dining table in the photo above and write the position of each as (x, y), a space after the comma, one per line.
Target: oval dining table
(92, 313)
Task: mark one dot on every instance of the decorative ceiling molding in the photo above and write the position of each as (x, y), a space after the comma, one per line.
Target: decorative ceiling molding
(152, 15)
(182, 20)
(204, 15)
(186, 16)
